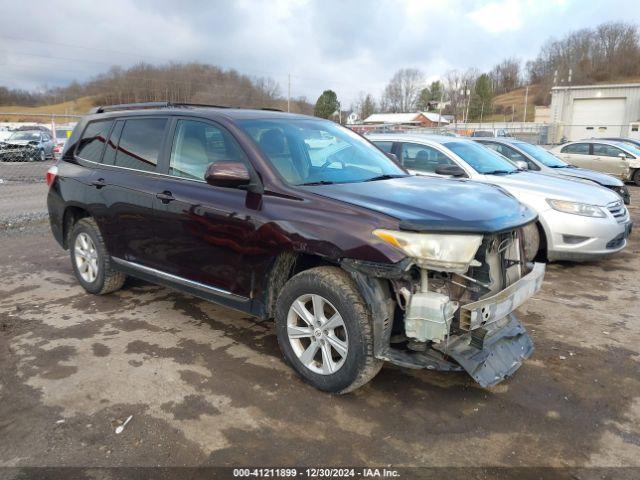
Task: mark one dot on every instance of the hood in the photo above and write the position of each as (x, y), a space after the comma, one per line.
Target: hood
(598, 177)
(434, 204)
(550, 186)
(19, 142)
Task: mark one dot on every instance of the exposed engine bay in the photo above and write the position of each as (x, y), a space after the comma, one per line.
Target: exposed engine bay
(453, 320)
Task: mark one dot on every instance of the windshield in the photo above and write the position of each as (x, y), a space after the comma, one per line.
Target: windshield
(311, 152)
(30, 136)
(543, 156)
(481, 159)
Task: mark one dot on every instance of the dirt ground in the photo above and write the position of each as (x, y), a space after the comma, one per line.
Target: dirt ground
(207, 386)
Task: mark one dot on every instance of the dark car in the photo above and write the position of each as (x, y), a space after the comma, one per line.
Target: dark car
(26, 146)
(356, 260)
(539, 159)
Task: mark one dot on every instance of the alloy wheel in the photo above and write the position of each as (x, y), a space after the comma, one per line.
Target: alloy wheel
(317, 334)
(86, 257)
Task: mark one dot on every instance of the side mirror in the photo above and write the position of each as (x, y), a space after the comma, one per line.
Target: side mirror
(521, 164)
(451, 170)
(622, 155)
(227, 174)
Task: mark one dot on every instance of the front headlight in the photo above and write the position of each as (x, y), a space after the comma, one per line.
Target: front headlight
(443, 252)
(574, 208)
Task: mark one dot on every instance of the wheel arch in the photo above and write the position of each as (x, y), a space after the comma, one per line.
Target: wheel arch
(70, 217)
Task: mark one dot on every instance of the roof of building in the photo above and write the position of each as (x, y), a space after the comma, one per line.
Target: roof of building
(403, 117)
(598, 86)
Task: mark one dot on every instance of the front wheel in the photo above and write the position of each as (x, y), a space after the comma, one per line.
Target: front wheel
(324, 330)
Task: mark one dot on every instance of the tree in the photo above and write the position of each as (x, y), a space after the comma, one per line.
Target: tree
(327, 104)
(481, 98)
(436, 91)
(402, 91)
(506, 75)
(365, 105)
(423, 100)
(456, 85)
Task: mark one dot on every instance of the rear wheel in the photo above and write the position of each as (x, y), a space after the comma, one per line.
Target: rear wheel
(636, 177)
(324, 330)
(90, 260)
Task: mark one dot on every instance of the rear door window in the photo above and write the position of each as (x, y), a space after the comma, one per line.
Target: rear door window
(140, 143)
(93, 140)
(577, 148)
(423, 158)
(109, 157)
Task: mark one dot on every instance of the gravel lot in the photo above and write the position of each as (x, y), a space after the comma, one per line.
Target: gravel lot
(22, 186)
(207, 386)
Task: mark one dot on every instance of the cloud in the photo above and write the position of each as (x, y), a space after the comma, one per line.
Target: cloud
(497, 17)
(347, 45)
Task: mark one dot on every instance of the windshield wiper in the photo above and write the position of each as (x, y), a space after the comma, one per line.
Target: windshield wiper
(386, 176)
(500, 172)
(560, 166)
(319, 182)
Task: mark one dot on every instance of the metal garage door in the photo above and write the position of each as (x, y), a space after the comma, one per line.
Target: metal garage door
(597, 117)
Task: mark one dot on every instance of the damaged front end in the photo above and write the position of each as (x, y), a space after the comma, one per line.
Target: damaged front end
(429, 312)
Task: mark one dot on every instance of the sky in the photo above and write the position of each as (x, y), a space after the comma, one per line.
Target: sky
(347, 46)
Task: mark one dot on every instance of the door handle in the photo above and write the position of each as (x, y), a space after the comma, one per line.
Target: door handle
(165, 197)
(99, 183)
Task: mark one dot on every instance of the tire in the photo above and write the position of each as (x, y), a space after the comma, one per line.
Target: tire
(339, 294)
(636, 177)
(96, 274)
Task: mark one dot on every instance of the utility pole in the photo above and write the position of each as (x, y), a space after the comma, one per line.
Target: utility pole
(289, 92)
(526, 96)
(481, 113)
(513, 113)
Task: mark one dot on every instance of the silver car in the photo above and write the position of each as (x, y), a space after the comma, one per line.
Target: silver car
(577, 221)
(539, 159)
(615, 158)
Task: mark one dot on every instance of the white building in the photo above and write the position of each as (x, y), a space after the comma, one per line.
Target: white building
(596, 111)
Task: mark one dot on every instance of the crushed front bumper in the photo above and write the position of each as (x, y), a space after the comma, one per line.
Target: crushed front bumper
(492, 354)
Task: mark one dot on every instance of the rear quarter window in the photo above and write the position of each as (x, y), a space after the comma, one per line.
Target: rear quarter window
(93, 140)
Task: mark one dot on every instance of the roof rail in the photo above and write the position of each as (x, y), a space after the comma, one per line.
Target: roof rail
(128, 106)
(143, 105)
(269, 109)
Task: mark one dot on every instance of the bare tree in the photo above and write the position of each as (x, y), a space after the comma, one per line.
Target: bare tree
(402, 91)
(458, 87)
(506, 75)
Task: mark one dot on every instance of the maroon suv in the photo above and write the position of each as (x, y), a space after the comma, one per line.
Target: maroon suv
(300, 220)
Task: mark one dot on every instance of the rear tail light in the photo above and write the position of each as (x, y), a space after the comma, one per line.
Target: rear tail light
(51, 174)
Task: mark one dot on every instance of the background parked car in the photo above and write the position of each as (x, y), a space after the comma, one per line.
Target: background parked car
(496, 132)
(577, 221)
(615, 158)
(539, 159)
(62, 134)
(630, 141)
(27, 146)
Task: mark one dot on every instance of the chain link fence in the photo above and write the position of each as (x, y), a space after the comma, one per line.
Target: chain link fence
(29, 145)
(546, 134)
